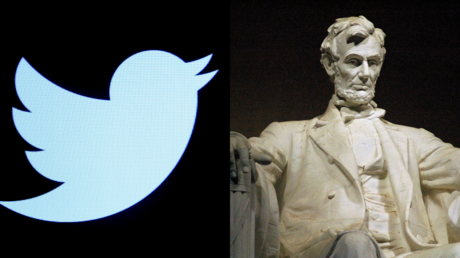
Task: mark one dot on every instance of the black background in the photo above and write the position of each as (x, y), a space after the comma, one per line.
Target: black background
(276, 75)
(79, 48)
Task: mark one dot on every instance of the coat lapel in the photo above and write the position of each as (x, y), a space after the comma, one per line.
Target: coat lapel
(395, 151)
(331, 136)
(400, 141)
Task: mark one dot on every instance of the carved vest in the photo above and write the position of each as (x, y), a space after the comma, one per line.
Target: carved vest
(382, 220)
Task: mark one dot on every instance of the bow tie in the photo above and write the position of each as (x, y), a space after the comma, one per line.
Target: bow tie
(348, 115)
(368, 111)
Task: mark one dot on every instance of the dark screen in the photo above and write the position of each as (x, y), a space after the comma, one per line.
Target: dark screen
(80, 51)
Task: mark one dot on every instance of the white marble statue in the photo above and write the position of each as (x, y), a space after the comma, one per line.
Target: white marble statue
(349, 183)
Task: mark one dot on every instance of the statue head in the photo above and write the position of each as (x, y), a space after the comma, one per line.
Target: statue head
(352, 55)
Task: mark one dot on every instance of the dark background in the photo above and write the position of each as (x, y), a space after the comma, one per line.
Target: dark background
(79, 48)
(276, 75)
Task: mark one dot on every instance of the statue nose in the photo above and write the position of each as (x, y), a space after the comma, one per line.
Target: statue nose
(364, 74)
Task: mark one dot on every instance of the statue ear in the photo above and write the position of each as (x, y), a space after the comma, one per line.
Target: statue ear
(328, 63)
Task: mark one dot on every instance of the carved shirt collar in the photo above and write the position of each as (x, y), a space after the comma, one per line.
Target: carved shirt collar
(339, 109)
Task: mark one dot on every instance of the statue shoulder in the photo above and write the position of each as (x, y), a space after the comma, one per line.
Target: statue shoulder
(290, 127)
(411, 132)
(279, 138)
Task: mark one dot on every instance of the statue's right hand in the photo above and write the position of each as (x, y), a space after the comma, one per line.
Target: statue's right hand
(240, 149)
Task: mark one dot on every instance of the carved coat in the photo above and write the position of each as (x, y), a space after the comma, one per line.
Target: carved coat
(312, 189)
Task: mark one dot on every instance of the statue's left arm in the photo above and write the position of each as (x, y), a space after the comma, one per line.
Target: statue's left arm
(439, 165)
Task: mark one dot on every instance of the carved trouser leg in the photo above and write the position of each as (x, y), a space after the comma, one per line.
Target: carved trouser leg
(354, 244)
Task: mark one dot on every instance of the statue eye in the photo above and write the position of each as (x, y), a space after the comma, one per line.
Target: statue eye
(373, 62)
(354, 62)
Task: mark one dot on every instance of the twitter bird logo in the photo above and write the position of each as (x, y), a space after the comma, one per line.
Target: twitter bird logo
(109, 154)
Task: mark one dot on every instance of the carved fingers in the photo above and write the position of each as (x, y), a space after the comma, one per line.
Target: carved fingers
(239, 150)
(242, 157)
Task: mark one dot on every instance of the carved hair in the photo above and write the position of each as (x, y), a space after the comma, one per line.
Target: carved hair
(354, 27)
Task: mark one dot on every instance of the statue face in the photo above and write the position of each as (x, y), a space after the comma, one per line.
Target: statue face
(357, 69)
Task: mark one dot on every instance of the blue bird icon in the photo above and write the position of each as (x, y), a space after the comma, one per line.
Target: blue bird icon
(109, 154)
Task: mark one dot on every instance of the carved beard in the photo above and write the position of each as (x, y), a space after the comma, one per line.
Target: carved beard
(351, 95)
(355, 97)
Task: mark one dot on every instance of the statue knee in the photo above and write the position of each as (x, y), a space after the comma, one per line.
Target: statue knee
(355, 240)
(354, 244)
